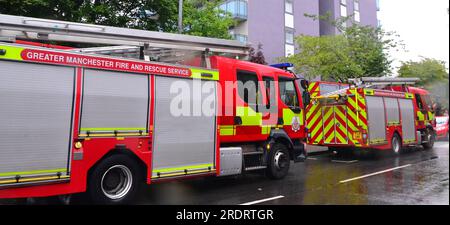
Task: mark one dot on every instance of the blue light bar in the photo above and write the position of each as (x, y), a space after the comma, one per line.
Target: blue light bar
(282, 65)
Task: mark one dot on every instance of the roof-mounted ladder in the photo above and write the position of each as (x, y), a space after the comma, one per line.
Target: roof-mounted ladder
(168, 46)
(366, 82)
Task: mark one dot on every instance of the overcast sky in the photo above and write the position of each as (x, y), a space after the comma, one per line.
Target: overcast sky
(423, 25)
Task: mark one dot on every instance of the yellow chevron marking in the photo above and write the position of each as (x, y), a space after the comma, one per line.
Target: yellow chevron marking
(314, 119)
(316, 129)
(353, 116)
(341, 139)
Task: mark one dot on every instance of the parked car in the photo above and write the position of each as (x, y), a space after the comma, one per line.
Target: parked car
(442, 127)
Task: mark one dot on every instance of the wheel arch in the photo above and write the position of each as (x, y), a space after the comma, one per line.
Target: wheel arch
(118, 150)
(281, 136)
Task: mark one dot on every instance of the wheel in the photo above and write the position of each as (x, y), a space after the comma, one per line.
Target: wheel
(278, 163)
(396, 144)
(431, 136)
(115, 180)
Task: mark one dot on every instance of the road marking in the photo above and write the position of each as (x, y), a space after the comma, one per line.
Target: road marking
(262, 200)
(373, 174)
(312, 158)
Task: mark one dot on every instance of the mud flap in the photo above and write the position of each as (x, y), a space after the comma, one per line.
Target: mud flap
(300, 153)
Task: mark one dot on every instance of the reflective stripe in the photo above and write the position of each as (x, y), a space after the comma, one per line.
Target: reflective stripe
(314, 89)
(183, 173)
(266, 129)
(369, 92)
(420, 116)
(207, 74)
(430, 116)
(175, 169)
(314, 123)
(113, 129)
(113, 135)
(8, 174)
(13, 53)
(288, 116)
(359, 104)
(378, 141)
(23, 180)
(341, 119)
(409, 95)
(227, 130)
(328, 124)
(248, 116)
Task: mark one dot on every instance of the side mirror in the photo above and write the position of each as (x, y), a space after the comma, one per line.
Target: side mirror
(306, 98)
(304, 84)
(296, 109)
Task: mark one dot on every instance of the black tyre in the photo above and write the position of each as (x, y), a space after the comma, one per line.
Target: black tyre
(431, 136)
(279, 161)
(115, 180)
(396, 144)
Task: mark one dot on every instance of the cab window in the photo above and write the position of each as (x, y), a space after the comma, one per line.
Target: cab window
(269, 85)
(248, 89)
(428, 102)
(419, 101)
(288, 93)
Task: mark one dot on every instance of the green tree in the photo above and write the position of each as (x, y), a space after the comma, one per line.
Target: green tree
(204, 18)
(430, 71)
(201, 17)
(357, 51)
(433, 77)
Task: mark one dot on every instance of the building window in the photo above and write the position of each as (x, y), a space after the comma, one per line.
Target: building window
(289, 20)
(343, 2)
(343, 10)
(289, 7)
(241, 38)
(357, 5)
(289, 36)
(357, 14)
(237, 8)
(289, 50)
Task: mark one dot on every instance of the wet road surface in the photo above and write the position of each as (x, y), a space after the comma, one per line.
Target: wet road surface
(415, 177)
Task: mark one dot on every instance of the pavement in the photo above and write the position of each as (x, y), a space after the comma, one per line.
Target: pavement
(415, 177)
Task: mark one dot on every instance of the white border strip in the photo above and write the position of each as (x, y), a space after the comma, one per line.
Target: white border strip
(373, 174)
(263, 200)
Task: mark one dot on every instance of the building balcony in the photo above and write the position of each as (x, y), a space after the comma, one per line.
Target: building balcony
(237, 8)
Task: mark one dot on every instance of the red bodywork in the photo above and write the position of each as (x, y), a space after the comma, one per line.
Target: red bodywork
(94, 149)
(442, 127)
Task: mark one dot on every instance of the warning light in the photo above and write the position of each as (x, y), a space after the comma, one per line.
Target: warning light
(78, 145)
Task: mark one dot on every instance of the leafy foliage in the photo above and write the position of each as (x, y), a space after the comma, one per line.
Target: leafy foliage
(204, 18)
(201, 17)
(433, 76)
(429, 71)
(358, 51)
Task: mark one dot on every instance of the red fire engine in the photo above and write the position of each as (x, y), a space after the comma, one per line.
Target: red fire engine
(376, 113)
(75, 122)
